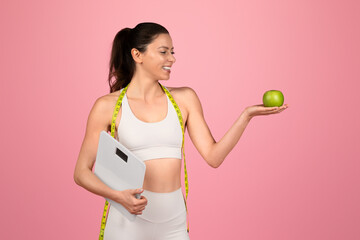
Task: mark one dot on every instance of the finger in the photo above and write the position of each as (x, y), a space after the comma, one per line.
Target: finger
(269, 109)
(273, 111)
(135, 191)
(141, 202)
(284, 107)
(139, 211)
(281, 110)
(144, 198)
(139, 208)
(276, 110)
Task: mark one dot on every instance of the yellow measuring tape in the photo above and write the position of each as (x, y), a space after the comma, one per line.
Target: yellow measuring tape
(113, 122)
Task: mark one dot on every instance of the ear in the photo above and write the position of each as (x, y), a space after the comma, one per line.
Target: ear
(137, 56)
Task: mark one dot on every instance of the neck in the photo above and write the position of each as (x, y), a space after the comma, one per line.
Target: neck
(144, 89)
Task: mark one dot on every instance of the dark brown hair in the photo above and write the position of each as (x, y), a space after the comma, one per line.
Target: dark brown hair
(122, 65)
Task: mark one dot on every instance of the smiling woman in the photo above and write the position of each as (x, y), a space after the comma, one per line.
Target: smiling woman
(129, 44)
(150, 120)
(157, 57)
(150, 124)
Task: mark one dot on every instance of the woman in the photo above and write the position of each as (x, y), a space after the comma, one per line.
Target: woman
(148, 125)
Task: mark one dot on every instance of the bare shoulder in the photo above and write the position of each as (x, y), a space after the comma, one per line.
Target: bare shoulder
(187, 99)
(106, 102)
(184, 94)
(103, 108)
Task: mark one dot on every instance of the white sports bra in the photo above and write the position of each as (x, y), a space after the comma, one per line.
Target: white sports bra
(153, 140)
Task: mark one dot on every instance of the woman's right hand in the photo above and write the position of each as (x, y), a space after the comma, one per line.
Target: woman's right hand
(128, 199)
(100, 120)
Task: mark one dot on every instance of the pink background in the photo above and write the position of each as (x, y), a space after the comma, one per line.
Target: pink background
(294, 175)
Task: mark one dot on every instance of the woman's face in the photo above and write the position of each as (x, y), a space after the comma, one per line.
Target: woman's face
(159, 57)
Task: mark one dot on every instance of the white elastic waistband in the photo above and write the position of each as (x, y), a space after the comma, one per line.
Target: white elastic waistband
(162, 207)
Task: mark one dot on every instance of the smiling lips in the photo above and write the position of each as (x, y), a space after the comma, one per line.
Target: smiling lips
(167, 69)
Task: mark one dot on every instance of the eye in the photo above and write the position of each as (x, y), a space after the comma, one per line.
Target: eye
(165, 52)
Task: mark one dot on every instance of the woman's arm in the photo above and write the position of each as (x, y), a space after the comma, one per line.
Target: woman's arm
(214, 152)
(83, 175)
(99, 119)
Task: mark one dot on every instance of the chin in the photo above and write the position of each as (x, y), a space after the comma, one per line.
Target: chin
(164, 78)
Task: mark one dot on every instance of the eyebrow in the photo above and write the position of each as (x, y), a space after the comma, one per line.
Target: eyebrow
(165, 47)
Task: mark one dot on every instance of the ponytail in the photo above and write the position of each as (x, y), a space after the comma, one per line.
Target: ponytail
(122, 65)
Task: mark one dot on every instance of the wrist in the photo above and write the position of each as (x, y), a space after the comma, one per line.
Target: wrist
(246, 115)
(117, 196)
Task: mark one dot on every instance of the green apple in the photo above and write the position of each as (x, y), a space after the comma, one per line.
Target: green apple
(273, 98)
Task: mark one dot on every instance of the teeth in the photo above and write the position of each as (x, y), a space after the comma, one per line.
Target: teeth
(167, 68)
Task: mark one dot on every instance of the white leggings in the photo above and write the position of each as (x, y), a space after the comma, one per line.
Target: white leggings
(164, 218)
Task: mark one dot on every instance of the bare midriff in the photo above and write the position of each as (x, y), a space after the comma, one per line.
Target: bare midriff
(162, 175)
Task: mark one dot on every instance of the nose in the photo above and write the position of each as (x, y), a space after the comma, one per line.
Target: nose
(172, 58)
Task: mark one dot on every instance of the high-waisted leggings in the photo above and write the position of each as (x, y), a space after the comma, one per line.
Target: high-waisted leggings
(164, 218)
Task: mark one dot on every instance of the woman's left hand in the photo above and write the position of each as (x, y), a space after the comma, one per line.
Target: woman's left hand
(258, 110)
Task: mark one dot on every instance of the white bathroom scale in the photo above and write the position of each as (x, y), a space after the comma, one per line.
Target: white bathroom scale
(118, 168)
